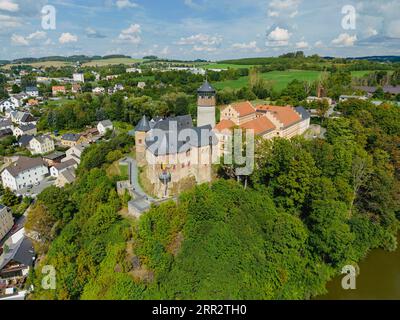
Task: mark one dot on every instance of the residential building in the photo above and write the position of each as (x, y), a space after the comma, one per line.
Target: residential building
(22, 130)
(41, 145)
(344, 98)
(53, 158)
(15, 263)
(67, 176)
(141, 85)
(78, 77)
(24, 140)
(22, 118)
(18, 99)
(70, 139)
(99, 90)
(58, 90)
(24, 172)
(75, 152)
(57, 168)
(6, 221)
(6, 123)
(76, 88)
(7, 104)
(317, 99)
(32, 91)
(104, 125)
(239, 113)
(133, 70)
(266, 121)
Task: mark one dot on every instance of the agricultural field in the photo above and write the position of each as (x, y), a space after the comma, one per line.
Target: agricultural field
(280, 79)
(113, 61)
(225, 66)
(43, 64)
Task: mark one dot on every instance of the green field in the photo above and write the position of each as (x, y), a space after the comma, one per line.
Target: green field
(225, 66)
(279, 79)
(113, 61)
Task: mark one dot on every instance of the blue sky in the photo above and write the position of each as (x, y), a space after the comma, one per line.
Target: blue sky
(207, 29)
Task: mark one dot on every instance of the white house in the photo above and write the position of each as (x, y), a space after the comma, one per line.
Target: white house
(7, 105)
(18, 99)
(23, 118)
(6, 221)
(23, 130)
(344, 98)
(60, 167)
(99, 90)
(24, 172)
(75, 152)
(133, 70)
(41, 145)
(105, 125)
(32, 91)
(78, 77)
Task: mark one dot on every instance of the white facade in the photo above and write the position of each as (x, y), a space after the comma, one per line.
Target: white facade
(103, 126)
(6, 221)
(41, 145)
(98, 90)
(32, 92)
(78, 77)
(24, 178)
(133, 70)
(7, 105)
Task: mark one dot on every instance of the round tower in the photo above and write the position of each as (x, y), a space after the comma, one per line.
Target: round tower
(140, 140)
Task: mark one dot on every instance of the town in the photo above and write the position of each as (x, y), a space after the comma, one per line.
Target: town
(199, 150)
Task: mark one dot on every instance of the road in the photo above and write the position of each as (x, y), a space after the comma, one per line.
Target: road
(36, 190)
(137, 189)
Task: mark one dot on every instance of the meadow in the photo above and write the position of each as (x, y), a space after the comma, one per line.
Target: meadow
(279, 79)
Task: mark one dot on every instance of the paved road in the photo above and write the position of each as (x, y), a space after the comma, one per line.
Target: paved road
(137, 189)
(36, 190)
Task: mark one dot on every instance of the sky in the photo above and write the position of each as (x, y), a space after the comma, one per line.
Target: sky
(199, 29)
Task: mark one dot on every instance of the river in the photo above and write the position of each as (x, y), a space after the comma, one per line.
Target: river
(379, 279)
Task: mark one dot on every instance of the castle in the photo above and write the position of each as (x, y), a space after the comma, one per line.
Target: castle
(173, 150)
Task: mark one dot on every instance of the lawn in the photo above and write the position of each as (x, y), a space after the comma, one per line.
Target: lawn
(45, 64)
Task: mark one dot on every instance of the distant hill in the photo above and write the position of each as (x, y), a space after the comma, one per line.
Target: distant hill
(379, 58)
(76, 58)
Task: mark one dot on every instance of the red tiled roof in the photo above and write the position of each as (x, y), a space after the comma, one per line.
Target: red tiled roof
(244, 108)
(286, 115)
(260, 125)
(224, 125)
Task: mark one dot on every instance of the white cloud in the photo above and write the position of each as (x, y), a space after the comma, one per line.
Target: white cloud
(25, 41)
(319, 44)
(344, 40)
(302, 45)
(246, 46)
(165, 51)
(278, 37)
(121, 4)
(9, 22)
(132, 34)
(9, 5)
(38, 35)
(19, 40)
(287, 8)
(67, 38)
(200, 38)
(204, 48)
(370, 32)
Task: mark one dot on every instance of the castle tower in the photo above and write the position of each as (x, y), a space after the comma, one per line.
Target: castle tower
(140, 140)
(206, 105)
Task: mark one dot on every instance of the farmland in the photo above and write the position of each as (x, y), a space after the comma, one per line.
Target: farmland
(113, 61)
(279, 79)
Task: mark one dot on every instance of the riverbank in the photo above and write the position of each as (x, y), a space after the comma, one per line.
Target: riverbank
(379, 279)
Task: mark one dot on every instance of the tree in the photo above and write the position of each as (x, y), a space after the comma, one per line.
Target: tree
(9, 198)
